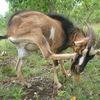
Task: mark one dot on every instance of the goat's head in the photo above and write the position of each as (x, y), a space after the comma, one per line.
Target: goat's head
(85, 52)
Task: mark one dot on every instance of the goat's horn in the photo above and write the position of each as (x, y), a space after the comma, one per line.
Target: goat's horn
(98, 43)
(91, 35)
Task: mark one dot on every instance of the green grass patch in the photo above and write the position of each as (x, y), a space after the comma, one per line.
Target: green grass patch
(8, 71)
(11, 92)
(96, 27)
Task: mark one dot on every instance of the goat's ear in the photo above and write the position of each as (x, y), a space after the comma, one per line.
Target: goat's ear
(98, 52)
(78, 43)
(82, 42)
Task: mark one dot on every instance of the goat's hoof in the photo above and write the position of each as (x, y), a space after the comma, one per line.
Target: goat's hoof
(27, 85)
(67, 74)
(61, 88)
(58, 86)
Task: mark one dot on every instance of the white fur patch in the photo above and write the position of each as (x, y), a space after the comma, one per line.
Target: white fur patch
(92, 51)
(83, 56)
(12, 39)
(22, 53)
(81, 60)
(52, 33)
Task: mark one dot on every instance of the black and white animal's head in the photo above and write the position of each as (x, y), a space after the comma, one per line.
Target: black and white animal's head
(81, 59)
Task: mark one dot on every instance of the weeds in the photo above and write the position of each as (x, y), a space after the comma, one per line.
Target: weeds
(13, 92)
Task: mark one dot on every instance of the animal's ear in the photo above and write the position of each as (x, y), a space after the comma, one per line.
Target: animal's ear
(82, 42)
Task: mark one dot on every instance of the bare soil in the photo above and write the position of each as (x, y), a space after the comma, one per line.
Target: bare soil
(41, 89)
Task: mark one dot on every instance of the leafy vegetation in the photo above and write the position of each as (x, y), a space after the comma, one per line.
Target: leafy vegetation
(77, 10)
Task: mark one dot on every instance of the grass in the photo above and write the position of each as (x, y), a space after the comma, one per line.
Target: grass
(11, 92)
(96, 28)
(87, 89)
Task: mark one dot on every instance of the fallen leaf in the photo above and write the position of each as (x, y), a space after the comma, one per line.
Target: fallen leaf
(0, 57)
(4, 53)
(91, 93)
(99, 93)
(13, 79)
(73, 98)
(5, 81)
(35, 93)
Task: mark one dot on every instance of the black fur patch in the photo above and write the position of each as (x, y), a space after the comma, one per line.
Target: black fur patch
(68, 28)
(86, 60)
(55, 62)
(4, 37)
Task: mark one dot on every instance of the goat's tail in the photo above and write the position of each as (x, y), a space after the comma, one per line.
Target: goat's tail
(3, 37)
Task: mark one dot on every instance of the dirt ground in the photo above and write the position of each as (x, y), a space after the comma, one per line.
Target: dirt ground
(40, 90)
(42, 87)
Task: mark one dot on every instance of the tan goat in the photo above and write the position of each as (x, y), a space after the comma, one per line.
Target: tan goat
(33, 30)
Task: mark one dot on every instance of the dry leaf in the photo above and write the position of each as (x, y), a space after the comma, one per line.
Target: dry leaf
(91, 93)
(5, 81)
(4, 53)
(0, 57)
(73, 98)
(13, 79)
(99, 93)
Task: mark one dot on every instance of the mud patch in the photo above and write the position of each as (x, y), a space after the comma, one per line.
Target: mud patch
(40, 90)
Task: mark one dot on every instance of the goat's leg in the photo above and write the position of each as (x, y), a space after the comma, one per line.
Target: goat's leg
(18, 70)
(63, 69)
(62, 56)
(55, 69)
(56, 81)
